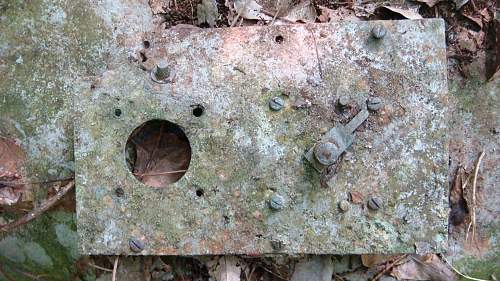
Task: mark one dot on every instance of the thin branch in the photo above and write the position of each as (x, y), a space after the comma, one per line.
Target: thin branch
(458, 272)
(100, 267)
(115, 267)
(473, 207)
(159, 173)
(39, 210)
(389, 267)
(17, 183)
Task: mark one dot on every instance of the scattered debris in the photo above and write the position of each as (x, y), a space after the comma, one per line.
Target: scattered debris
(318, 268)
(225, 268)
(43, 207)
(302, 12)
(426, 267)
(11, 160)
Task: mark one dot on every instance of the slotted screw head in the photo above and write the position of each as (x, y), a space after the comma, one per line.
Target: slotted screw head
(136, 245)
(374, 203)
(276, 103)
(374, 103)
(276, 202)
(379, 31)
(326, 153)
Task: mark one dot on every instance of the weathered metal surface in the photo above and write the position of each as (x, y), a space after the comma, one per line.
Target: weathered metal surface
(244, 153)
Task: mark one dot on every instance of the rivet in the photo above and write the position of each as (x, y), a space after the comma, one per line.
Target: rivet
(374, 203)
(379, 31)
(276, 202)
(136, 245)
(344, 206)
(374, 103)
(325, 153)
(276, 103)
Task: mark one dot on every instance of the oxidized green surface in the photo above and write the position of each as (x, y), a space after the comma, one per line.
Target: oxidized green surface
(242, 152)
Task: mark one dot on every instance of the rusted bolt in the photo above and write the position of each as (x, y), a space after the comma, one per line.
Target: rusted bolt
(344, 205)
(119, 192)
(378, 31)
(276, 103)
(161, 72)
(374, 203)
(136, 245)
(276, 202)
(374, 103)
(343, 101)
(326, 153)
(277, 244)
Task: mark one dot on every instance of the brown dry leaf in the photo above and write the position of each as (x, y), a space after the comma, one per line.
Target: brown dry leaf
(250, 9)
(485, 14)
(427, 267)
(409, 14)
(356, 197)
(339, 14)
(429, 3)
(11, 161)
(207, 12)
(460, 3)
(302, 12)
(478, 21)
(370, 261)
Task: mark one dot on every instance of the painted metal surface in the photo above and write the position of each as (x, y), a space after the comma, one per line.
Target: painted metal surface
(244, 154)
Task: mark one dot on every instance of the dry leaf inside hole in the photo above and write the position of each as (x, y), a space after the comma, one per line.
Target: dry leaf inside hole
(158, 153)
(356, 197)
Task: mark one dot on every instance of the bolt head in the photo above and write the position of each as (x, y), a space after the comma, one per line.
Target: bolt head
(379, 31)
(276, 202)
(374, 203)
(374, 103)
(343, 101)
(136, 245)
(276, 103)
(326, 153)
(344, 205)
(277, 244)
(161, 72)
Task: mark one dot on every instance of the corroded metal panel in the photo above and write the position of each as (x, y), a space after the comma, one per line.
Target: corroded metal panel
(249, 188)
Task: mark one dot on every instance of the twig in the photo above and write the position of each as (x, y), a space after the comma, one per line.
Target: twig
(16, 183)
(160, 173)
(458, 272)
(388, 267)
(115, 266)
(101, 268)
(473, 207)
(317, 55)
(39, 210)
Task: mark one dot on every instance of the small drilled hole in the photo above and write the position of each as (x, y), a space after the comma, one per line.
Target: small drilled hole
(279, 39)
(198, 111)
(200, 192)
(118, 112)
(146, 44)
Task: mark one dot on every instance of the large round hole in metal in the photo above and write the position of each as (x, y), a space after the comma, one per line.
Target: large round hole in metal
(158, 153)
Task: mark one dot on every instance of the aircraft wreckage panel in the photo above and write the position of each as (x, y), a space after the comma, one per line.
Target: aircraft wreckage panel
(295, 139)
